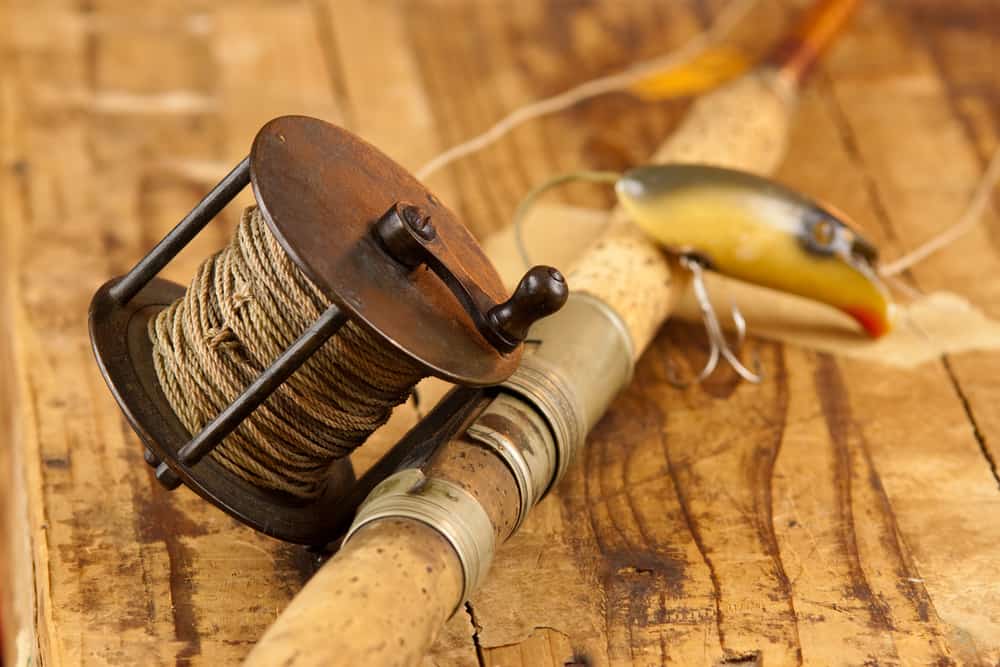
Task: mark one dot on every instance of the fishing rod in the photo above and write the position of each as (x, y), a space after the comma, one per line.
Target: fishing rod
(346, 284)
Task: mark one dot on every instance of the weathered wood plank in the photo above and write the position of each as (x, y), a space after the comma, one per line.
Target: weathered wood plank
(116, 561)
(962, 42)
(121, 146)
(901, 129)
(832, 529)
(16, 580)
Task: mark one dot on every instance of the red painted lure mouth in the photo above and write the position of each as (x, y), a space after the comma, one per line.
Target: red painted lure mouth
(875, 323)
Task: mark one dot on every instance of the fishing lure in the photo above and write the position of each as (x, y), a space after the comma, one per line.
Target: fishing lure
(754, 230)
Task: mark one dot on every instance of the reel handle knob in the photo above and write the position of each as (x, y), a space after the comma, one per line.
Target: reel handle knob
(407, 234)
(541, 292)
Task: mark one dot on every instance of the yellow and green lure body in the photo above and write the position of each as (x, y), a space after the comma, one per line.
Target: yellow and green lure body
(752, 229)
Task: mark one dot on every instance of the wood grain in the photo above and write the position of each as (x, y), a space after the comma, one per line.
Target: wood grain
(842, 513)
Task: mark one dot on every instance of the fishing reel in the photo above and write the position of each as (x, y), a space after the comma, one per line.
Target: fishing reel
(389, 257)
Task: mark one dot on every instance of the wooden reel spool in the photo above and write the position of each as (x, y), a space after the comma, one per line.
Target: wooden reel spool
(385, 252)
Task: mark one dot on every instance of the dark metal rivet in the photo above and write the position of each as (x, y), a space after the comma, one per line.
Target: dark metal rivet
(416, 220)
(167, 477)
(402, 230)
(151, 459)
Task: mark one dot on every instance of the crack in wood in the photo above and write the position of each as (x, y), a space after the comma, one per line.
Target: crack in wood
(475, 633)
(973, 423)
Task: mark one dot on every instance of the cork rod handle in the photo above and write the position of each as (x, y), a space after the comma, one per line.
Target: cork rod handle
(379, 601)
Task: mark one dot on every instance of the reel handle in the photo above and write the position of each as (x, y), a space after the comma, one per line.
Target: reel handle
(408, 235)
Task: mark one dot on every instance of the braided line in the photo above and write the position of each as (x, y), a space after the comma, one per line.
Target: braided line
(244, 307)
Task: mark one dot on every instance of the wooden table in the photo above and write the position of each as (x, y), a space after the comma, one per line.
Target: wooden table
(845, 512)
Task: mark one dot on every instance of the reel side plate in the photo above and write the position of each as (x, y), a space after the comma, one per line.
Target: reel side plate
(321, 190)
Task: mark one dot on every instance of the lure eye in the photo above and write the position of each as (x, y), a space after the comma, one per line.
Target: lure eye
(826, 235)
(823, 233)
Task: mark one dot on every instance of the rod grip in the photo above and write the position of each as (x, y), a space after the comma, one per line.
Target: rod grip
(631, 275)
(381, 600)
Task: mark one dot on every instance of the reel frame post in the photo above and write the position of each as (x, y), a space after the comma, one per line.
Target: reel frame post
(177, 239)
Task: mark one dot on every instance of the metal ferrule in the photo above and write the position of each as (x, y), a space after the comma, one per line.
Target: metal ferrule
(444, 506)
(551, 392)
(582, 359)
(518, 434)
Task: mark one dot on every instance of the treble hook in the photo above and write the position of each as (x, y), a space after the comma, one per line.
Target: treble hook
(718, 345)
